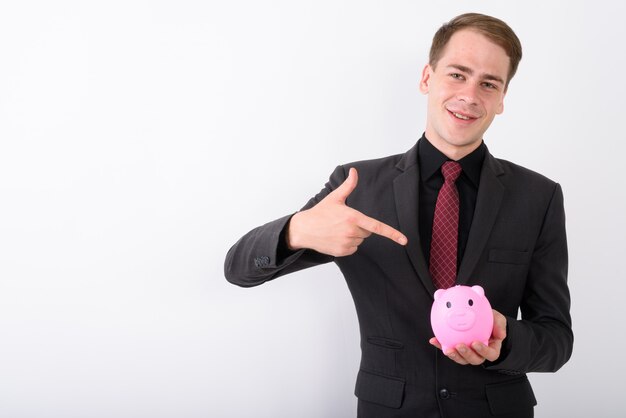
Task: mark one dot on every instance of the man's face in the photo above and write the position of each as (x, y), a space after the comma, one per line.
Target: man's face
(465, 92)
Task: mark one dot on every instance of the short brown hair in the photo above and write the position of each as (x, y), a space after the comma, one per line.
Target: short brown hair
(495, 29)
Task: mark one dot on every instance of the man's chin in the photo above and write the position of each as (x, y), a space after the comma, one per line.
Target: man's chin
(455, 141)
(463, 142)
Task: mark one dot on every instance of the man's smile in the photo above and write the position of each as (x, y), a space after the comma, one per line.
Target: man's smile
(462, 116)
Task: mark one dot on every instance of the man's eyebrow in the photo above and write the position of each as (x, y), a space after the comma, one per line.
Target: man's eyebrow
(469, 71)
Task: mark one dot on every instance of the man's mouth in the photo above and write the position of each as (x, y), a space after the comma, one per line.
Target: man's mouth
(460, 116)
(463, 116)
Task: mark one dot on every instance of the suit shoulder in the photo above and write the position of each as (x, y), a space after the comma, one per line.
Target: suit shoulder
(375, 163)
(523, 174)
(371, 172)
(378, 172)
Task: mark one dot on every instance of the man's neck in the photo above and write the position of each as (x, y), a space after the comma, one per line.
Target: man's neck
(453, 152)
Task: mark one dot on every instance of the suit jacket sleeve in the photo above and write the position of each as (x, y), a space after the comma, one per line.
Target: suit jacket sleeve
(542, 340)
(261, 254)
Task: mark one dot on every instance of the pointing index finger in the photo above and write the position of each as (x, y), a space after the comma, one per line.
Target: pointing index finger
(379, 228)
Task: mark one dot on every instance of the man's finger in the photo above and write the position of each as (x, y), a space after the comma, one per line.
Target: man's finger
(382, 229)
(469, 355)
(342, 192)
(499, 325)
(435, 342)
(488, 353)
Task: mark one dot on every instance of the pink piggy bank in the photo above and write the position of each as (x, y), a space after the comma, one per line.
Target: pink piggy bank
(461, 314)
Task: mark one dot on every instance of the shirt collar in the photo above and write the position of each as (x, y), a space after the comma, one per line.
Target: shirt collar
(431, 160)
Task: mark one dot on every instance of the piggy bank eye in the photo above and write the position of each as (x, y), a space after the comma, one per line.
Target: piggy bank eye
(448, 304)
(470, 302)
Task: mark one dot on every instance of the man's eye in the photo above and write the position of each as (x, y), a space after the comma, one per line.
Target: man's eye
(457, 76)
(490, 85)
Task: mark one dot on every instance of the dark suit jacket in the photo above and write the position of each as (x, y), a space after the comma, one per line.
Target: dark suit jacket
(516, 251)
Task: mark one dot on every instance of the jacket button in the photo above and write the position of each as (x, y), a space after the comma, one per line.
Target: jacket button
(444, 394)
(262, 261)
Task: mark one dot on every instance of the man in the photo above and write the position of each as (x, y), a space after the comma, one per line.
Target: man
(381, 221)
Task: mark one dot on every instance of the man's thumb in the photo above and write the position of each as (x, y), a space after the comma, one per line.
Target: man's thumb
(343, 191)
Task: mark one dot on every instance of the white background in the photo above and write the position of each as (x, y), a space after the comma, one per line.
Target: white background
(140, 139)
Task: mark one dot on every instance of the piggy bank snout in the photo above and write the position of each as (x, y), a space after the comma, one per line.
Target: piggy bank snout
(461, 319)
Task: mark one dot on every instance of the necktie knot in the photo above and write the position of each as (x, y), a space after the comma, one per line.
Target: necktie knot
(451, 171)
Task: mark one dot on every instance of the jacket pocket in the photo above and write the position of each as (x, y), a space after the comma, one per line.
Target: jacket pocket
(385, 342)
(382, 390)
(382, 355)
(509, 256)
(510, 396)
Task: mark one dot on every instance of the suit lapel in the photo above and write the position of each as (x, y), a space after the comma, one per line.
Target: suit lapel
(406, 193)
(488, 201)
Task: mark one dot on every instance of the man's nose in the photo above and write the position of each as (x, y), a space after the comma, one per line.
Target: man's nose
(468, 93)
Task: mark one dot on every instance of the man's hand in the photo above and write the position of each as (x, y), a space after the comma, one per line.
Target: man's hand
(333, 228)
(479, 352)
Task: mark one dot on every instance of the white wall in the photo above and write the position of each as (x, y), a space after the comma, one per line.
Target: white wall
(140, 139)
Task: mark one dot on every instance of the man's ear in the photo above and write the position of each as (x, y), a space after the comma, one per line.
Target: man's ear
(500, 108)
(426, 73)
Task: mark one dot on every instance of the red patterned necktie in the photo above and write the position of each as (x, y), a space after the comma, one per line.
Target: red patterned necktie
(443, 247)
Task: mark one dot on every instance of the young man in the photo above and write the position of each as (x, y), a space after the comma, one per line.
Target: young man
(385, 235)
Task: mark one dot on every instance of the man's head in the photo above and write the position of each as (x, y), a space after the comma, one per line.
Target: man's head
(472, 60)
(494, 29)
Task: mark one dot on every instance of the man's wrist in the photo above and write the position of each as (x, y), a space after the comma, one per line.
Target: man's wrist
(291, 233)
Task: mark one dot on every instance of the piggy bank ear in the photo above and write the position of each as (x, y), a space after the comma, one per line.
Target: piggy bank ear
(479, 290)
(439, 294)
